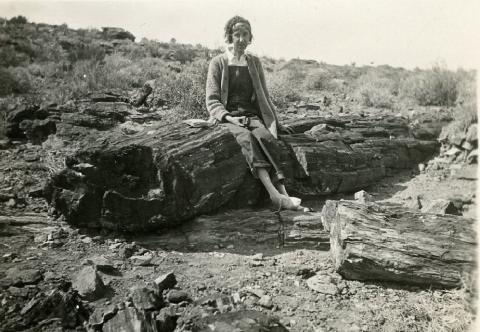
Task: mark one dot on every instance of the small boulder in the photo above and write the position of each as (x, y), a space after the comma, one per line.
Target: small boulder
(165, 281)
(101, 315)
(166, 320)
(130, 320)
(363, 197)
(322, 284)
(266, 301)
(177, 296)
(37, 131)
(141, 260)
(89, 284)
(440, 206)
(56, 304)
(471, 135)
(145, 298)
(19, 278)
(415, 204)
(102, 263)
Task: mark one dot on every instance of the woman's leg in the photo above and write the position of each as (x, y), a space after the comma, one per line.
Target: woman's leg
(278, 198)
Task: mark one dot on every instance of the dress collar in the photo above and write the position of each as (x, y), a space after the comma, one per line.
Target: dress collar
(232, 60)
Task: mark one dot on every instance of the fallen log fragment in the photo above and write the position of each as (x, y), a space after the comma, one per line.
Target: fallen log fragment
(370, 242)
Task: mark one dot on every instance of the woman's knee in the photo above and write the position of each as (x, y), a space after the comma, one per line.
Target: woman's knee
(262, 134)
(246, 139)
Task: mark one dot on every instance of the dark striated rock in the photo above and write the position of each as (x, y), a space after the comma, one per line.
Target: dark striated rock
(166, 320)
(471, 135)
(15, 116)
(131, 320)
(37, 131)
(63, 306)
(171, 173)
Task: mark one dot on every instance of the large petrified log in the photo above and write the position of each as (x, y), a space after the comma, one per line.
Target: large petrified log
(171, 173)
(369, 242)
(133, 172)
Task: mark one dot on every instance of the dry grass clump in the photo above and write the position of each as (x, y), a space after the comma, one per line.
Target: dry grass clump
(55, 152)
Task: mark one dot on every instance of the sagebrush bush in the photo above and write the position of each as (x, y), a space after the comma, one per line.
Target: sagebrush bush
(7, 82)
(9, 57)
(434, 87)
(282, 89)
(18, 20)
(185, 90)
(23, 80)
(318, 79)
(374, 90)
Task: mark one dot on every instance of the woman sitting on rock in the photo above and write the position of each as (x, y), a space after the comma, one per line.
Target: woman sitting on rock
(237, 97)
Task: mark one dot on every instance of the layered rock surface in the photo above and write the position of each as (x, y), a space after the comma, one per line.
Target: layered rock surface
(155, 175)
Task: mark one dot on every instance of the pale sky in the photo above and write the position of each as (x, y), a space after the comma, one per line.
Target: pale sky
(406, 33)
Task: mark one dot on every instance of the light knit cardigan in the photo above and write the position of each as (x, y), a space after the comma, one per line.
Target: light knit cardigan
(217, 90)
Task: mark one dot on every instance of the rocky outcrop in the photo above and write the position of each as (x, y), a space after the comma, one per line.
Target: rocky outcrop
(117, 33)
(162, 175)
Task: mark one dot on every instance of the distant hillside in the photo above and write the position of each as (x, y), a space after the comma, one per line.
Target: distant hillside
(53, 63)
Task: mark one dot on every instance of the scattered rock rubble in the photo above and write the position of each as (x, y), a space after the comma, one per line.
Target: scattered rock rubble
(56, 277)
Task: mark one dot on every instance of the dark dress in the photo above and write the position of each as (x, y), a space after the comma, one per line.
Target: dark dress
(257, 143)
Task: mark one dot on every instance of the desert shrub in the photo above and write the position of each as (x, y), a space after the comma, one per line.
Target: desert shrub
(50, 51)
(375, 91)
(467, 87)
(436, 87)
(86, 51)
(10, 57)
(35, 69)
(15, 80)
(186, 90)
(23, 79)
(18, 20)
(285, 84)
(282, 90)
(182, 53)
(153, 48)
(123, 73)
(319, 79)
(7, 82)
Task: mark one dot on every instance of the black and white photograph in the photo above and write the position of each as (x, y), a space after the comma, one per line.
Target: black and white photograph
(239, 165)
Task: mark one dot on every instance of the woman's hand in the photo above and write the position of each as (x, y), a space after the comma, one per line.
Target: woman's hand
(236, 120)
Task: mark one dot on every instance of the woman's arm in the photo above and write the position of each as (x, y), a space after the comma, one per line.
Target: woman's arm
(261, 74)
(212, 93)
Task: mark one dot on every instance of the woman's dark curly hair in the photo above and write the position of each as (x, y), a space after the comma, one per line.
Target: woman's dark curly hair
(229, 27)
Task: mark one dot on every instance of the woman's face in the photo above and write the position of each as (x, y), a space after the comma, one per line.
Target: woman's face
(241, 38)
